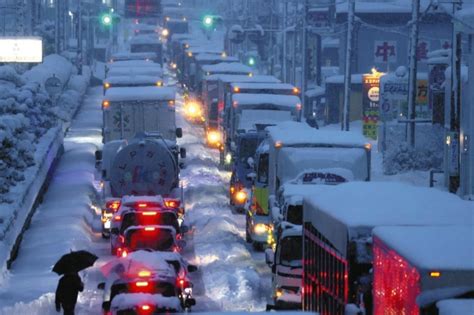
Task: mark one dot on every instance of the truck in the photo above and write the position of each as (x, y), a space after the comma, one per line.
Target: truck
(131, 110)
(435, 263)
(338, 225)
(152, 70)
(131, 80)
(295, 150)
(195, 72)
(147, 44)
(265, 88)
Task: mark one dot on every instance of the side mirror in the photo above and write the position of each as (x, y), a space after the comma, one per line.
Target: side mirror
(181, 244)
(269, 257)
(101, 286)
(179, 132)
(192, 268)
(190, 302)
(182, 153)
(184, 229)
(98, 155)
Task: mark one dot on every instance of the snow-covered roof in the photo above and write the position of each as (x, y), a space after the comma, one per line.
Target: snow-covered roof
(133, 199)
(299, 160)
(244, 99)
(125, 301)
(140, 93)
(439, 248)
(215, 57)
(132, 79)
(178, 37)
(250, 118)
(145, 39)
(209, 50)
(292, 230)
(132, 63)
(387, 6)
(456, 307)
(263, 86)
(351, 210)
(227, 67)
(133, 56)
(233, 78)
(150, 70)
(296, 133)
(315, 91)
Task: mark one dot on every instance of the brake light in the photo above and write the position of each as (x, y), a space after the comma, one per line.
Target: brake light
(145, 307)
(117, 218)
(149, 228)
(172, 203)
(113, 205)
(435, 274)
(149, 213)
(142, 205)
(124, 253)
(144, 273)
(141, 284)
(181, 282)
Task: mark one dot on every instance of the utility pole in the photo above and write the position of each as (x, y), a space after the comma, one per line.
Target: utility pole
(304, 75)
(57, 37)
(413, 62)
(80, 57)
(348, 70)
(285, 46)
(455, 108)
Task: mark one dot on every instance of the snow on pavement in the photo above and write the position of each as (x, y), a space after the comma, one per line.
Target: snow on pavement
(62, 222)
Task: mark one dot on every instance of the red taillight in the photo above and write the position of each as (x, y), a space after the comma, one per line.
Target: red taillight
(142, 205)
(144, 273)
(117, 218)
(172, 203)
(113, 205)
(149, 213)
(141, 284)
(146, 307)
(149, 228)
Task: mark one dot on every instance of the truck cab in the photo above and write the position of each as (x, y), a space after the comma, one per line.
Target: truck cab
(286, 263)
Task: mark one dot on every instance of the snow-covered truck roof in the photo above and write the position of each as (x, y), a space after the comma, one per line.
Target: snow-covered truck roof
(145, 39)
(123, 71)
(133, 56)
(249, 119)
(292, 133)
(262, 86)
(438, 248)
(312, 159)
(455, 307)
(133, 80)
(245, 100)
(223, 67)
(125, 301)
(231, 78)
(215, 57)
(140, 93)
(199, 49)
(351, 210)
(132, 63)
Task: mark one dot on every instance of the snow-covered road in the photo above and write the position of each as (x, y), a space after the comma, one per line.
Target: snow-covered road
(231, 277)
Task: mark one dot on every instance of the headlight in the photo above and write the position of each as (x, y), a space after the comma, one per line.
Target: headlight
(260, 228)
(228, 158)
(241, 196)
(213, 137)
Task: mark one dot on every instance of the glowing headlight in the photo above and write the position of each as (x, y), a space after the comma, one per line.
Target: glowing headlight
(228, 158)
(241, 197)
(213, 137)
(260, 228)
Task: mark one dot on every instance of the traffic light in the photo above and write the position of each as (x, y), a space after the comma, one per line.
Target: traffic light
(106, 19)
(208, 21)
(251, 61)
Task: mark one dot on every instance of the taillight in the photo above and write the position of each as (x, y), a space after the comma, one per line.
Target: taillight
(149, 228)
(149, 213)
(145, 307)
(121, 239)
(172, 203)
(142, 205)
(144, 273)
(117, 218)
(141, 284)
(113, 205)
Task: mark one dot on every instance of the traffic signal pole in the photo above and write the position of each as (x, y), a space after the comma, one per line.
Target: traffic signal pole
(348, 69)
(413, 73)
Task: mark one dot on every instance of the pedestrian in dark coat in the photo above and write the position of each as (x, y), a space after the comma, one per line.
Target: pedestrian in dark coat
(69, 287)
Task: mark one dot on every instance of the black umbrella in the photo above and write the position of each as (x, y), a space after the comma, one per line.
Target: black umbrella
(74, 262)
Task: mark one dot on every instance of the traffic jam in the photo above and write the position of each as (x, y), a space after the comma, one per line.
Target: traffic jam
(319, 233)
(335, 242)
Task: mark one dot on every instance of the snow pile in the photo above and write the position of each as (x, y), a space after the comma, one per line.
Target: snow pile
(401, 157)
(456, 307)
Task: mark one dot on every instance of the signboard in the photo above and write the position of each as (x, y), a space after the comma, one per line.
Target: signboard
(370, 104)
(21, 49)
(385, 51)
(422, 50)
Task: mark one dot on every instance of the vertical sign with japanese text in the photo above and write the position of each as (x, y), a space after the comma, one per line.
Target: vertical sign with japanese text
(385, 51)
(370, 104)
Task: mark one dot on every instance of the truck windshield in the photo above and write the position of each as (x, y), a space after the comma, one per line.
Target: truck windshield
(263, 169)
(247, 148)
(291, 251)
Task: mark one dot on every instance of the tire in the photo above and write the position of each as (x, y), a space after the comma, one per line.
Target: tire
(248, 239)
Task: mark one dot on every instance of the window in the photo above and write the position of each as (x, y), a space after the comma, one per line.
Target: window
(263, 168)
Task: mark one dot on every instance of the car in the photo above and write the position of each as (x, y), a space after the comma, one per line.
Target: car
(144, 303)
(110, 207)
(151, 238)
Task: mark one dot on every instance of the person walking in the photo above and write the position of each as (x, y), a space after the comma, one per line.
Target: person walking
(68, 289)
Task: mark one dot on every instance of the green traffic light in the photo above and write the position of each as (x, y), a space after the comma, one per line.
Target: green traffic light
(106, 19)
(208, 21)
(251, 61)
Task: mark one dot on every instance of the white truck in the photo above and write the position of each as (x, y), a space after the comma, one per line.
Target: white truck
(295, 150)
(131, 110)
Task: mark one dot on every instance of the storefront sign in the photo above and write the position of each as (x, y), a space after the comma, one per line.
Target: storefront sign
(21, 49)
(385, 51)
(370, 104)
